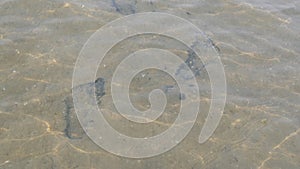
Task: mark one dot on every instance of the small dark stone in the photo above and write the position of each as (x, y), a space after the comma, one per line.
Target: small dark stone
(100, 90)
(181, 96)
(214, 45)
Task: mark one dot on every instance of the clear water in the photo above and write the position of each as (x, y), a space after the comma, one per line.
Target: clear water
(259, 47)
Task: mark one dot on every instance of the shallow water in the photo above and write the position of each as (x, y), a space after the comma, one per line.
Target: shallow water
(258, 42)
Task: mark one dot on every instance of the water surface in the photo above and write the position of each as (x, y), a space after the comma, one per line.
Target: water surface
(258, 42)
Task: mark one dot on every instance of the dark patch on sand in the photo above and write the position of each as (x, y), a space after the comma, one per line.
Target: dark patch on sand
(73, 129)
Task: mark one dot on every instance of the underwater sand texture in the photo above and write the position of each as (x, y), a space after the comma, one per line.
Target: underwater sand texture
(258, 42)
